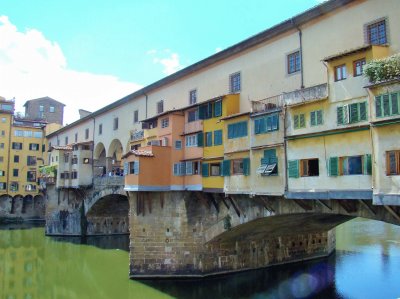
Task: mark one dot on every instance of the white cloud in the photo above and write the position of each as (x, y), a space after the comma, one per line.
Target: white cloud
(32, 66)
(170, 61)
(218, 49)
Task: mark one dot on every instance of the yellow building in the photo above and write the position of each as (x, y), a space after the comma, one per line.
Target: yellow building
(22, 151)
(211, 112)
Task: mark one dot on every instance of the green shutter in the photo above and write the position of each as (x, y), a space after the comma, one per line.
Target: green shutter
(257, 126)
(296, 121)
(202, 111)
(354, 115)
(208, 138)
(394, 103)
(275, 122)
(363, 111)
(204, 169)
(313, 118)
(218, 108)
(270, 155)
(293, 168)
(218, 137)
(231, 128)
(269, 123)
(302, 120)
(136, 167)
(367, 164)
(246, 166)
(226, 168)
(386, 105)
(319, 117)
(340, 115)
(200, 139)
(334, 166)
(378, 106)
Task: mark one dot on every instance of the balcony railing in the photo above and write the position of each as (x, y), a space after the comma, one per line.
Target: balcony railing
(309, 94)
(268, 104)
(138, 135)
(109, 181)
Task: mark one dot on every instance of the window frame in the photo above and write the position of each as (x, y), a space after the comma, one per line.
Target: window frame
(52, 109)
(191, 140)
(160, 106)
(375, 25)
(304, 167)
(342, 74)
(192, 96)
(293, 62)
(165, 122)
(396, 160)
(136, 116)
(362, 63)
(115, 123)
(211, 167)
(235, 82)
(301, 121)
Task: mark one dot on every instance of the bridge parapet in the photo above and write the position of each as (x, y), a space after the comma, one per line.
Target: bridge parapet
(108, 181)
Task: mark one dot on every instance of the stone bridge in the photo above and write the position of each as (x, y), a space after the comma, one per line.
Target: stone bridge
(195, 234)
(97, 210)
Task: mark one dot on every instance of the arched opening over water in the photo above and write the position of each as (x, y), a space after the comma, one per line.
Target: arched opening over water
(109, 215)
(100, 160)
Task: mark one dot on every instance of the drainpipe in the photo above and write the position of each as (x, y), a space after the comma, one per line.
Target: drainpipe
(301, 52)
(145, 94)
(285, 149)
(9, 155)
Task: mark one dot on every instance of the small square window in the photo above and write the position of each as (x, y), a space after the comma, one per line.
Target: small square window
(340, 72)
(215, 169)
(293, 62)
(41, 108)
(178, 144)
(100, 129)
(160, 107)
(115, 124)
(358, 67)
(376, 33)
(165, 122)
(52, 109)
(234, 82)
(3, 119)
(193, 97)
(309, 167)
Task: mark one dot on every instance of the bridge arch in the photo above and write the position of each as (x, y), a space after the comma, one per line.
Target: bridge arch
(100, 160)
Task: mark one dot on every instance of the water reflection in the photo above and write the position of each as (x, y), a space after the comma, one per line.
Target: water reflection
(366, 265)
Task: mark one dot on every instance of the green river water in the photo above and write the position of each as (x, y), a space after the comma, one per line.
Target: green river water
(366, 265)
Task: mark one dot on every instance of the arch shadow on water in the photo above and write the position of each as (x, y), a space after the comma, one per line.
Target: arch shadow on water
(310, 279)
(104, 242)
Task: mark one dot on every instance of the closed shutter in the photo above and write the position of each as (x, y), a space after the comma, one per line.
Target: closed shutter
(302, 121)
(386, 105)
(200, 139)
(257, 126)
(204, 169)
(208, 138)
(333, 166)
(231, 129)
(296, 122)
(202, 111)
(293, 168)
(136, 167)
(269, 123)
(270, 156)
(246, 166)
(354, 115)
(218, 137)
(182, 168)
(394, 103)
(175, 169)
(319, 117)
(363, 111)
(226, 168)
(367, 164)
(378, 106)
(313, 118)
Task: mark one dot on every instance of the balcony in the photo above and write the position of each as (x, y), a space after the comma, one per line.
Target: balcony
(149, 133)
(309, 94)
(267, 105)
(193, 127)
(137, 135)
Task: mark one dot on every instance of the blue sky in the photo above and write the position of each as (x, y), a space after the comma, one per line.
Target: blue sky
(88, 54)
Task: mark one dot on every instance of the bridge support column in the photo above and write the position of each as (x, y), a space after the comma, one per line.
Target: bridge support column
(189, 234)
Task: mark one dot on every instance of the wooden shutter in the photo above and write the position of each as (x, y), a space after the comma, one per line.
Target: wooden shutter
(313, 118)
(367, 164)
(126, 168)
(200, 139)
(296, 122)
(394, 103)
(363, 111)
(339, 114)
(231, 129)
(275, 122)
(333, 166)
(293, 168)
(246, 166)
(189, 168)
(208, 138)
(136, 167)
(270, 156)
(269, 124)
(226, 168)
(302, 121)
(354, 115)
(386, 105)
(319, 117)
(218, 108)
(204, 169)
(378, 106)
